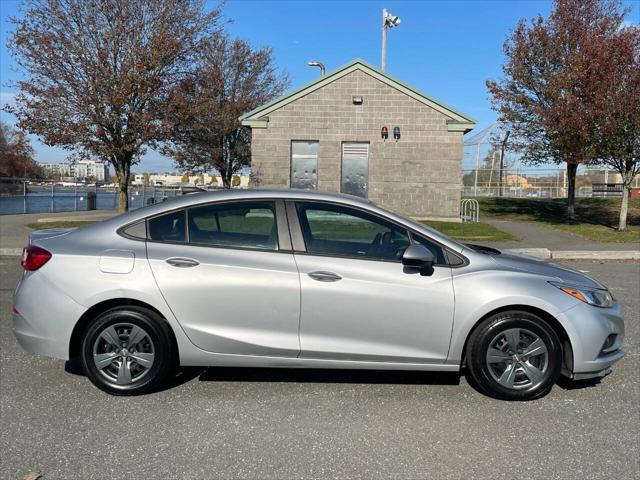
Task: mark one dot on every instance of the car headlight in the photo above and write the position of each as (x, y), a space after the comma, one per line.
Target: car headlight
(591, 296)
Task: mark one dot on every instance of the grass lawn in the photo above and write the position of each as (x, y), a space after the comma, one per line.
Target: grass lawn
(596, 218)
(70, 224)
(470, 232)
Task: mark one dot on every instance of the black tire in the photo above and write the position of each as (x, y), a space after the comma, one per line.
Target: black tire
(157, 342)
(517, 372)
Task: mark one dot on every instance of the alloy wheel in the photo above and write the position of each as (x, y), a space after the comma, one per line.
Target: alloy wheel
(517, 359)
(123, 353)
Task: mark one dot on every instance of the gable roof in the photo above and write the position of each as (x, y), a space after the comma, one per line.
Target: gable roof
(257, 118)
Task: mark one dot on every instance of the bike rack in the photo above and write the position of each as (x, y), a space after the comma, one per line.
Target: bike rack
(470, 210)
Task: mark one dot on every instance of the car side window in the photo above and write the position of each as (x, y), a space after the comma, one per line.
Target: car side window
(238, 224)
(347, 232)
(167, 228)
(434, 248)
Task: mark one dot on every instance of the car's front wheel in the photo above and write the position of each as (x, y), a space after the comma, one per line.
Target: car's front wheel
(514, 355)
(127, 351)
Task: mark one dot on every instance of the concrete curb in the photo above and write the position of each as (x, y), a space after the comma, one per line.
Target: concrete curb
(596, 255)
(11, 252)
(546, 254)
(77, 218)
(543, 253)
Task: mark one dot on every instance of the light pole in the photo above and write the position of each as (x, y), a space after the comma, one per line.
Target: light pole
(317, 64)
(388, 21)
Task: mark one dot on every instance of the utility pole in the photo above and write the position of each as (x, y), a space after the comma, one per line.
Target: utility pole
(502, 147)
(388, 21)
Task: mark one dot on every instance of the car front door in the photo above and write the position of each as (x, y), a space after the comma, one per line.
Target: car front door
(227, 272)
(357, 300)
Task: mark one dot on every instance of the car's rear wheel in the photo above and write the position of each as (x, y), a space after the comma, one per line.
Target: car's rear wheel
(514, 355)
(127, 351)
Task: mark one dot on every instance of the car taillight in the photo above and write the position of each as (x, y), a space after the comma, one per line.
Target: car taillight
(34, 257)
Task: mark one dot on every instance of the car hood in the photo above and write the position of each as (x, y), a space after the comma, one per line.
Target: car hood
(525, 263)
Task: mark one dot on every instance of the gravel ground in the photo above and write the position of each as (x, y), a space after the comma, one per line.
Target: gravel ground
(252, 423)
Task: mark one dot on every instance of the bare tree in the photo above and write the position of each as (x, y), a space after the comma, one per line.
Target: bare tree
(98, 72)
(231, 78)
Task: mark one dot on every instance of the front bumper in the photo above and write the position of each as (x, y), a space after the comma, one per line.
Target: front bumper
(588, 328)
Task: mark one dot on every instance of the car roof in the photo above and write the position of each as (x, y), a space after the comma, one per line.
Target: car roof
(240, 194)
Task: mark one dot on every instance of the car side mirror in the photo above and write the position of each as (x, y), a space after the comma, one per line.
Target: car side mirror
(419, 257)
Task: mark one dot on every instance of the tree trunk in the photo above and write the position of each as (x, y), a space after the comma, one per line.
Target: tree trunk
(571, 189)
(226, 174)
(123, 168)
(624, 207)
(123, 194)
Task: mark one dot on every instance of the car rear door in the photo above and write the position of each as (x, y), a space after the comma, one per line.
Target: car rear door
(227, 272)
(357, 300)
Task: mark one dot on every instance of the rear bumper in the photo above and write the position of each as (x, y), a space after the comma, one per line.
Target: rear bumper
(32, 341)
(44, 317)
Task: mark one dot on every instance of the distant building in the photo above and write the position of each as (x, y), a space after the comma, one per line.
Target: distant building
(169, 179)
(360, 131)
(83, 169)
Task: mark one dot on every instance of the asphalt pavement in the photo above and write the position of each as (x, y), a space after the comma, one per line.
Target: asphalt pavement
(280, 424)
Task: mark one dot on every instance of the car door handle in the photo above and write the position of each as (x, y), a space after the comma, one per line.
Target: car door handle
(325, 276)
(182, 262)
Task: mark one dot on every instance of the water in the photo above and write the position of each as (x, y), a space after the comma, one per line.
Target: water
(40, 199)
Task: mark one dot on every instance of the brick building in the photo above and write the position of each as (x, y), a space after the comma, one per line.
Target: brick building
(327, 135)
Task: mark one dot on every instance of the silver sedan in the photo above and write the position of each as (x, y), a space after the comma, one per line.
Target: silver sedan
(305, 280)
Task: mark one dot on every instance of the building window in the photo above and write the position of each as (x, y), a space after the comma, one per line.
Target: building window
(304, 164)
(355, 168)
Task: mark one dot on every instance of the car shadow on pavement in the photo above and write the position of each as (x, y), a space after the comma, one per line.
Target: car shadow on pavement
(568, 384)
(294, 375)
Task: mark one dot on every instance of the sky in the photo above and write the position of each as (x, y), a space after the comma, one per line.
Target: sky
(447, 49)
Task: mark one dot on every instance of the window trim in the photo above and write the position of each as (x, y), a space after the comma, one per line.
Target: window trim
(299, 247)
(284, 234)
(289, 224)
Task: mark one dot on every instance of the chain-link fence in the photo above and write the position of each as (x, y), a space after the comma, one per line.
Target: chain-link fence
(18, 195)
(490, 169)
(538, 182)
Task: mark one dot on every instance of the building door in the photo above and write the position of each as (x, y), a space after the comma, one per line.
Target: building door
(304, 164)
(355, 168)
